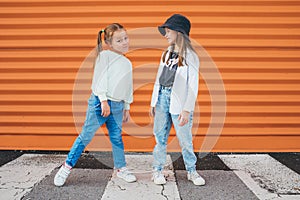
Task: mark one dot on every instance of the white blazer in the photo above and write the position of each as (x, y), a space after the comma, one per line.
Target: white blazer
(185, 87)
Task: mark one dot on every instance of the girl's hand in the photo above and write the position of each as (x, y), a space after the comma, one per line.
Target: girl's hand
(152, 112)
(183, 118)
(126, 116)
(105, 109)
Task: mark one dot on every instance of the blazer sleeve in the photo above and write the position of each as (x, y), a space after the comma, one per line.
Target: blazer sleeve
(156, 85)
(192, 81)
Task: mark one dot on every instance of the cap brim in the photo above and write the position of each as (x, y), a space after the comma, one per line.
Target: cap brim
(162, 30)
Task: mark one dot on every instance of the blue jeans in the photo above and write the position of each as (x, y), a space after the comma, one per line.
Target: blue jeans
(92, 123)
(162, 124)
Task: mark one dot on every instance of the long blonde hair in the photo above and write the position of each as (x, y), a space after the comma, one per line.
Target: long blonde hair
(184, 44)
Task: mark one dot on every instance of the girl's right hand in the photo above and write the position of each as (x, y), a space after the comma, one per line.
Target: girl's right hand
(152, 111)
(105, 109)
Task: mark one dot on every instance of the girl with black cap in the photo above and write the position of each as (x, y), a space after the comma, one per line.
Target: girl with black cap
(174, 96)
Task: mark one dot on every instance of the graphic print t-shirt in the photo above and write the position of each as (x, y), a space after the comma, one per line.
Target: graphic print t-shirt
(170, 66)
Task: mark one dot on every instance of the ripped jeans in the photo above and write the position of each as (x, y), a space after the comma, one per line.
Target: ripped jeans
(162, 124)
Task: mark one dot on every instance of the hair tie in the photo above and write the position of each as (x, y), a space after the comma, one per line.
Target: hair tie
(102, 31)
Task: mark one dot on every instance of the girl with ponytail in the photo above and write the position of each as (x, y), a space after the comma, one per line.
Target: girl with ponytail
(109, 102)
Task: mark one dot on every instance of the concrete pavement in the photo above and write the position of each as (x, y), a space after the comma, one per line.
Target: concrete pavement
(31, 177)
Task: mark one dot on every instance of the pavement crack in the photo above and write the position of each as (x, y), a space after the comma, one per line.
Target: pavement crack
(119, 186)
(19, 192)
(162, 192)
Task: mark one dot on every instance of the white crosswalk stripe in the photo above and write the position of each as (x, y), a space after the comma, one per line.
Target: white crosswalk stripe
(262, 173)
(19, 176)
(31, 177)
(144, 188)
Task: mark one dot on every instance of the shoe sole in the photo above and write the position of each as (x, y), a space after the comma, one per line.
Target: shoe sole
(196, 184)
(126, 180)
(160, 183)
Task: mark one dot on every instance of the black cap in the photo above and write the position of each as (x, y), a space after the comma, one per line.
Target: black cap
(176, 22)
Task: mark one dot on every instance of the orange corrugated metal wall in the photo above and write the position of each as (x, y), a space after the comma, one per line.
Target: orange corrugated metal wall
(255, 45)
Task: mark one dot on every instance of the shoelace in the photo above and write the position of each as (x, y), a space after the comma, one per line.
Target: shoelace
(65, 172)
(125, 171)
(196, 176)
(157, 174)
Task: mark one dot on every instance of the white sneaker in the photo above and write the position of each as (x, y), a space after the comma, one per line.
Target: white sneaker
(195, 178)
(126, 175)
(62, 175)
(158, 178)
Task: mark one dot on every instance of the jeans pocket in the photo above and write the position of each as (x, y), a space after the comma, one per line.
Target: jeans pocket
(94, 102)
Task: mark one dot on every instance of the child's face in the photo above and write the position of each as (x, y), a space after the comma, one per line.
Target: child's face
(171, 36)
(120, 41)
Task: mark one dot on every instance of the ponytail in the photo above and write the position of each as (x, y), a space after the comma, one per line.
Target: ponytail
(99, 41)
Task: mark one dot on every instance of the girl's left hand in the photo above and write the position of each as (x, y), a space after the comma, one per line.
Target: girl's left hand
(126, 116)
(183, 118)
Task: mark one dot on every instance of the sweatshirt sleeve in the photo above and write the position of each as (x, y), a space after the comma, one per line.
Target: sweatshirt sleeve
(129, 99)
(100, 78)
(193, 79)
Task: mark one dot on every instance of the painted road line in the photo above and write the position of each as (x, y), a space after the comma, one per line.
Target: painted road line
(260, 192)
(266, 177)
(19, 176)
(144, 188)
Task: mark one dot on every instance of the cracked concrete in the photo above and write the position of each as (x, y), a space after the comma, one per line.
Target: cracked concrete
(144, 188)
(23, 176)
(162, 192)
(266, 171)
(19, 176)
(265, 176)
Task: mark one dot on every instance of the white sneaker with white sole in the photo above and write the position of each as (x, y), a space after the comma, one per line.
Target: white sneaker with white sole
(62, 175)
(158, 178)
(195, 178)
(126, 175)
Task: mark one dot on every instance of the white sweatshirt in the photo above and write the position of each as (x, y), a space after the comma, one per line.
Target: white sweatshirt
(185, 87)
(112, 78)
